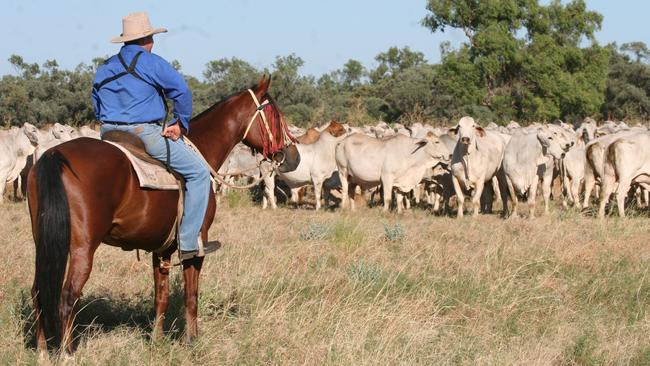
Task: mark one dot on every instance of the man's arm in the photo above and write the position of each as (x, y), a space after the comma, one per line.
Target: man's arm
(95, 100)
(176, 89)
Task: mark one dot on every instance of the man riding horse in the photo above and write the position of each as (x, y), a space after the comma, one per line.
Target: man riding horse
(129, 94)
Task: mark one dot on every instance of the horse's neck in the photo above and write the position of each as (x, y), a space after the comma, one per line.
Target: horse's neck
(215, 135)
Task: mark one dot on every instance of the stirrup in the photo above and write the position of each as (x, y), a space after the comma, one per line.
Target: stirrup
(207, 248)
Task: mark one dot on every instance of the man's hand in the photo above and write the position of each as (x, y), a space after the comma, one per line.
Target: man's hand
(173, 131)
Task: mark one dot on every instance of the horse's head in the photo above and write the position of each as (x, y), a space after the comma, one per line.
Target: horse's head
(267, 131)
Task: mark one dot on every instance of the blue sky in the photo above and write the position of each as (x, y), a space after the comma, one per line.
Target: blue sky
(325, 34)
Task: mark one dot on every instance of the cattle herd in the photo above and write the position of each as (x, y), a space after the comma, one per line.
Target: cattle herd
(421, 164)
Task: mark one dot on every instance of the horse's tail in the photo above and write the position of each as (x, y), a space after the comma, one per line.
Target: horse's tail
(52, 240)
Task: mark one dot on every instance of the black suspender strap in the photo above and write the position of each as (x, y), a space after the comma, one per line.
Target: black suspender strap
(130, 69)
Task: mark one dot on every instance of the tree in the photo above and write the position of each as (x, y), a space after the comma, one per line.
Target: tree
(627, 95)
(394, 61)
(638, 49)
(528, 56)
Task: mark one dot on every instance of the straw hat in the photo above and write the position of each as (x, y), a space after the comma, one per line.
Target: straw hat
(136, 26)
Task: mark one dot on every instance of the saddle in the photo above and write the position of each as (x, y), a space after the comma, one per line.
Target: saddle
(151, 173)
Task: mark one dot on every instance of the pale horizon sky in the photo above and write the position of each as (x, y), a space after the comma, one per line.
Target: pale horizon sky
(325, 34)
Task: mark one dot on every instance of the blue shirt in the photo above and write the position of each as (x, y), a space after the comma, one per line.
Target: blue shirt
(131, 100)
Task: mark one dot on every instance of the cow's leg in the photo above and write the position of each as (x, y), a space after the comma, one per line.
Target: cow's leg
(566, 191)
(387, 184)
(435, 200)
(191, 271)
(608, 183)
(3, 186)
(590, 181)
(496, 189)
(81, 261)
(399, 201)
(547, 186)
(345, 194)
(513, 198)
(460, 197)
(407, 200)
(624, 184)
(269, 191)
(161, 292)
(318, 186)
(476, 196)
(575, 192)
(532, 195)
(295, 199)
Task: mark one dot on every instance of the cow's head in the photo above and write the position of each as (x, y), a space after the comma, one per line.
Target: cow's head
(468, 131)
(61, 132)
(31, 132)
(336, 129)
(435, 148)
(564, 137)
(550, 144)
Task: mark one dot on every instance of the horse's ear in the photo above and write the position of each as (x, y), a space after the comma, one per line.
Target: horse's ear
(264, 83)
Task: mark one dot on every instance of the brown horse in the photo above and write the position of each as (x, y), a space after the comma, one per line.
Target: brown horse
(84, 192)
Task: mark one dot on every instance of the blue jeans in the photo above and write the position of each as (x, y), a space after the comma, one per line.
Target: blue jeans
(185, 162)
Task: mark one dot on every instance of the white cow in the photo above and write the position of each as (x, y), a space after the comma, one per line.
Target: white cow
(397, 163)
(56, 134)
(15, 148)
(317, 163)
(476, 160)
(528, 158)
(595, 162)
(627, 161)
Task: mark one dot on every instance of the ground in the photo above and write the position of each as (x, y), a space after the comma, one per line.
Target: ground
(294, 286)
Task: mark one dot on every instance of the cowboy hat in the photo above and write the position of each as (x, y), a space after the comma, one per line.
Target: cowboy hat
(136, 26)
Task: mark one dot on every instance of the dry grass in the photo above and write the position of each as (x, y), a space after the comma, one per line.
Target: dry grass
(300, 287)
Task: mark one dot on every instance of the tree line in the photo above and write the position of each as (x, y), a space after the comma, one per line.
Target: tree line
(521, 61)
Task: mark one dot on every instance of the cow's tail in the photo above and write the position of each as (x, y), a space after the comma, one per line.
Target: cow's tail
(595, 159)
(52, 240)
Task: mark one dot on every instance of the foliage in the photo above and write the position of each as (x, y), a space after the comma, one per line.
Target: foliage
(523, 60)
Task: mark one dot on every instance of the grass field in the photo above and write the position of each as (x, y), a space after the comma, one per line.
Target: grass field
(301, 287)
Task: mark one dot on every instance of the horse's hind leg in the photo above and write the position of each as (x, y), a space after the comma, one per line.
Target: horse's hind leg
(41, 343)
(81, 263)
(161, 291)
(191, 271)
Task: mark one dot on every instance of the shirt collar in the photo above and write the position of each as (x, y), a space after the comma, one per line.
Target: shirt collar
(132, 48)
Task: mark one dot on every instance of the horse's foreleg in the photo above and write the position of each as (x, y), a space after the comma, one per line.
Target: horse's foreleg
(81, 263)
(191, 271)
(161, 289)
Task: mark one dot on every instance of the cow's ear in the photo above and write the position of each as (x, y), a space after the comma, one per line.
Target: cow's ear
(453, 130)
(420, 144)
(481, 131)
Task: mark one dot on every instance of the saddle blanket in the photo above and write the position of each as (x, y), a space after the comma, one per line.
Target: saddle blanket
(149, 175)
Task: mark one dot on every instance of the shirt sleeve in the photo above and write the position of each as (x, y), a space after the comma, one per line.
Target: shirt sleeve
(176, 89)
(95, 101)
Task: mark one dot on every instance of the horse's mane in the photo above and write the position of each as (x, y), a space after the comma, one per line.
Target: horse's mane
(222, 100)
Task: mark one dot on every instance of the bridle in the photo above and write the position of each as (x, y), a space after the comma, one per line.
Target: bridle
(258, 112)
